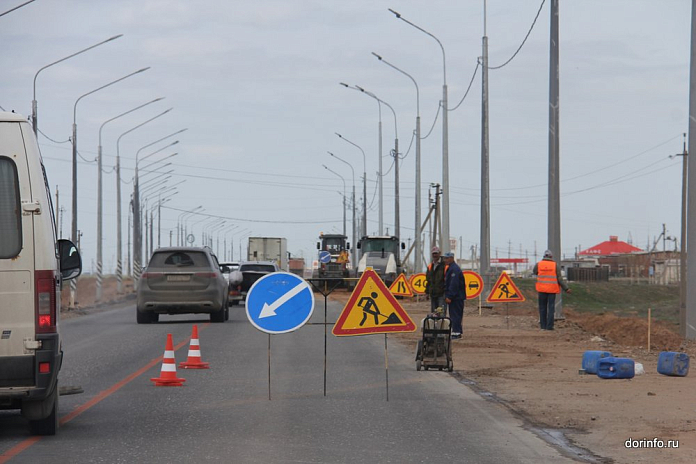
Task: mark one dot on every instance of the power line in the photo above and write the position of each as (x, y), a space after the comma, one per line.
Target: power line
(478, 63)
(439, 105)
(525, 38)
(251, 220)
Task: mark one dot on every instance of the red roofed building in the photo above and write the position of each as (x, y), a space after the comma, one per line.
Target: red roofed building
(611, 247)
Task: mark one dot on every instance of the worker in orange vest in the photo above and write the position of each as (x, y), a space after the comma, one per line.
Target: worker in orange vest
(549, 283)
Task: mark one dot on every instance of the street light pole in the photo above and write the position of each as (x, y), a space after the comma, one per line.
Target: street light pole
(380, 178)
(344, 195)
(100, 200)
(119, 276)
(396, 161)
(417, 240)
(445, 243)
(34, 106)
(137, 232)
(364, 221)
(355, 249)
(74, 146)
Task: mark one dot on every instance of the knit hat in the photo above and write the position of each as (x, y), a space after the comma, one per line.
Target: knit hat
(435, 250)
(548, 254)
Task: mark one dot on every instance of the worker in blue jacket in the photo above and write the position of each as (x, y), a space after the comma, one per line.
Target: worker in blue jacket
(455, 294)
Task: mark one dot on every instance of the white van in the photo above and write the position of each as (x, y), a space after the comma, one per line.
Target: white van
(33, 265)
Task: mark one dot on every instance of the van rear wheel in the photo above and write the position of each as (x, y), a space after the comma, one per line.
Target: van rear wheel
(48, 425)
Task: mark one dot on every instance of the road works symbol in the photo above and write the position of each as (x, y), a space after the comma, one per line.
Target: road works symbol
(400, 287)
(279, 303)
(372, 309)
(504, 290)
(418, 282)
(474, 284)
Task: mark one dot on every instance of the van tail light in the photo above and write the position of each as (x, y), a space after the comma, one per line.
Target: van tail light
(45, 301)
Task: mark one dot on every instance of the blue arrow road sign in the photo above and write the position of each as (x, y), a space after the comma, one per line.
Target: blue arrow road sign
(324, 257)
(279, 303)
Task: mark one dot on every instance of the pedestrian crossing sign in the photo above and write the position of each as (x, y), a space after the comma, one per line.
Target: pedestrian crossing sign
(400, 287)
(504, 290)
(372, 309)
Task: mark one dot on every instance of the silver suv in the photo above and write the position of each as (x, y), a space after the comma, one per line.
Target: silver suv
(182, 280)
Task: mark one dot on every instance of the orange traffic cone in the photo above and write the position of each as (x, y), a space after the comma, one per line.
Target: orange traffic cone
(194, 354)
(168, 376)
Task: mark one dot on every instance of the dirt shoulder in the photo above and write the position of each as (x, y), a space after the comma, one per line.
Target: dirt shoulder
(86, 298)
(535, 373)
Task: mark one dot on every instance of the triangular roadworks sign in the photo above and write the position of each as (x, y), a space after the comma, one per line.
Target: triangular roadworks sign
(504, 290)
(372, 309)
(400, 287)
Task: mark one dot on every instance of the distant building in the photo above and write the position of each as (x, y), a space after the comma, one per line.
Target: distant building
(621, 259)
(613, 246)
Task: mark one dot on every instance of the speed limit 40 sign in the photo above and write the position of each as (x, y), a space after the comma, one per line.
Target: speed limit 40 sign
(418, 282)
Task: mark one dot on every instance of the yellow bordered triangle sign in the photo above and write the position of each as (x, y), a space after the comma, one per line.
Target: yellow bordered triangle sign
(504, 290)
(400, 287)
(372, 309)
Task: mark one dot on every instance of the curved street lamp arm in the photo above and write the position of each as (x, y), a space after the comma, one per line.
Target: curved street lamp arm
(405, 74)
(444, 69)
(103, 87)
(68, 57)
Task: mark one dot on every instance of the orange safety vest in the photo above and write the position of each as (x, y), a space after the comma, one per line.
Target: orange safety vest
(430, 267)
(547, 281)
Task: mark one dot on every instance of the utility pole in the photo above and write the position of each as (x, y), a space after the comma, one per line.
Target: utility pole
(434, 240)
(554, 202)
(396, 191)
(485, 161)
(690, 316)
(682, 251)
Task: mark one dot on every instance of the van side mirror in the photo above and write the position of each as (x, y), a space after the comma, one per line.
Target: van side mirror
(70, 260)
(225, 269)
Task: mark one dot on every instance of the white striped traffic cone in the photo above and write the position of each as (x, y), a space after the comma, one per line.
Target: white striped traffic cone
(194, 354)
(168, 376)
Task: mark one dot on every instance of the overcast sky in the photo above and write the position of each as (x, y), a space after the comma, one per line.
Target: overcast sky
(257, 85)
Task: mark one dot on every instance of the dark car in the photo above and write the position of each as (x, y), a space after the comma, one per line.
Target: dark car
(251, 272)
(182, 280)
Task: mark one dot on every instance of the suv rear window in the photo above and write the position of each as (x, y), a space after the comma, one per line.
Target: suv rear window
(10, 210)
(257, 268)
(175, 260)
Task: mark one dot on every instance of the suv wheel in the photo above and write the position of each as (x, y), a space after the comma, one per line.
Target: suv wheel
(146, 317)
(218, 316)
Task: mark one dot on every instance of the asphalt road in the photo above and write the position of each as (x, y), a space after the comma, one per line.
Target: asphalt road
(224, 414)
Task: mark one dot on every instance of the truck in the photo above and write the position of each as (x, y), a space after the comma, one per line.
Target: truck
(337, 264)
(269, 249)
(382, 253)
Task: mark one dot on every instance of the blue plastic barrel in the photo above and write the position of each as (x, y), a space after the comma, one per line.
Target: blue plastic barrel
(672, 363)
(616, 368)
(590, 360)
